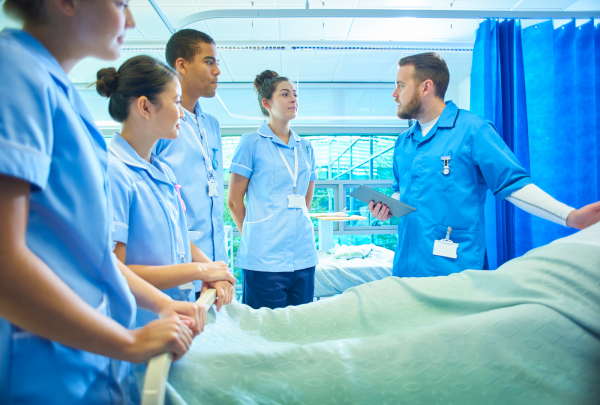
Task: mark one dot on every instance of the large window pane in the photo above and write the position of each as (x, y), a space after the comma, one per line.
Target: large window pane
(362, 173)
(382, 166)
(357, 207)
(323, 201)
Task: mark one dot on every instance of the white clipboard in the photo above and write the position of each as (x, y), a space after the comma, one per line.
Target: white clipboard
(366, 195)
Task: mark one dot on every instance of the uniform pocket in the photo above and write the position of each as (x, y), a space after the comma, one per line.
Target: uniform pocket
(468, 256)
(256, 243)
(261, 220)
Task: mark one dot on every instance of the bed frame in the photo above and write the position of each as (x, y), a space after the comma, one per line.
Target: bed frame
(155, 383)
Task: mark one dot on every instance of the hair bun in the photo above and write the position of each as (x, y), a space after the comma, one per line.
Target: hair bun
(264, 77)
(106, 83)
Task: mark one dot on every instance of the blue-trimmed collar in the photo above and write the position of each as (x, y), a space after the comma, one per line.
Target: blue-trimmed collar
(125, 153)
(447, 119)
(266, 132)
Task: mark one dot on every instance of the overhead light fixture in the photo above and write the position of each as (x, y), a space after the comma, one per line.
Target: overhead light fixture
(380, 48)
(221, 48)
(312, 48)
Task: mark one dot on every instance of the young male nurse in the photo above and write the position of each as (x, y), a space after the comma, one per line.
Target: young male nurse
(196, 157)
(443, 166)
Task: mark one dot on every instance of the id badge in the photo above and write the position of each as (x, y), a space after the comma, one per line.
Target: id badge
(213, 191)
(296, 201)
(445, 248)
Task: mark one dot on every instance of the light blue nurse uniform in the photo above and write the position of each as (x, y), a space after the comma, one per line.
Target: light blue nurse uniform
(479, 160)
(148, 215)
(275, 238)
(48, 138)
(204, 214)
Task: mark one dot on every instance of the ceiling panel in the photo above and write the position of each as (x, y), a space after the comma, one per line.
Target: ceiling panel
(176, 14)
(309, 65)
(485, 5)
(134, 34)
(206, 5)
(315, 28)
(584, 5)
(149, 23)
(413, 29)
(244, 28)
(543, 4)
(245, 65)
(200, 26)
(86, 70)
(139, 3)
(176, 3)
(397, 3)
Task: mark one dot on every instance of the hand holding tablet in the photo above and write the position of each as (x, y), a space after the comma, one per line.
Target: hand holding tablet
(372, 197)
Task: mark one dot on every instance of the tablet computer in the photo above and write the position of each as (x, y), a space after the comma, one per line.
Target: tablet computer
(366, 195)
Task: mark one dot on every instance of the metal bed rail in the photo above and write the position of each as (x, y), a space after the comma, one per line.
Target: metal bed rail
(157, 373)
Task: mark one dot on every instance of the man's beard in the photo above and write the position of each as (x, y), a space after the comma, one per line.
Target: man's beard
(413, 109)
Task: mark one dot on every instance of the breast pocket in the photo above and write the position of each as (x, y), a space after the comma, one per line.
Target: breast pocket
(444, 175)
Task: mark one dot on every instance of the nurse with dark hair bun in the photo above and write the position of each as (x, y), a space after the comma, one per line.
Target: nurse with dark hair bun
(151, 235)
(67, 305)
(275, 170)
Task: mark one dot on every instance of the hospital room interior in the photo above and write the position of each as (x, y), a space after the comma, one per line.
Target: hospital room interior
(386, 321)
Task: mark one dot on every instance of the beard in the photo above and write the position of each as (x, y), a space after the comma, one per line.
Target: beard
(413, 109)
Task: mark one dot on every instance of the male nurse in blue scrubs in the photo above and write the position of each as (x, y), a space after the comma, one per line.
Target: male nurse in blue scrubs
(443, 166)
(196, 157)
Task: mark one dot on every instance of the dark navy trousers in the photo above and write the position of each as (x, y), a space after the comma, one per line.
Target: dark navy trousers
(278, 289)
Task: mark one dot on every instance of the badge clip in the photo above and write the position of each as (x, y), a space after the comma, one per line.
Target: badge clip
(446, 169)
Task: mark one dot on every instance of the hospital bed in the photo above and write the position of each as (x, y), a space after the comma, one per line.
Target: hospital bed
(335, 273)
(526, 333)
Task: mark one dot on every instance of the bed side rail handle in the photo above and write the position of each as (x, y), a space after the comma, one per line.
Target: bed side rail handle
(157, 372)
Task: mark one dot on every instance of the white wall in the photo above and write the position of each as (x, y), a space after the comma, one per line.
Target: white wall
(464, 94)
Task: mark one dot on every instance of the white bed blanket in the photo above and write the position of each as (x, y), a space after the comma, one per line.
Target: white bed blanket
(334, 276)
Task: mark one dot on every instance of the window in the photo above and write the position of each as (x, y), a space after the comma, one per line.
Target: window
(343, 163)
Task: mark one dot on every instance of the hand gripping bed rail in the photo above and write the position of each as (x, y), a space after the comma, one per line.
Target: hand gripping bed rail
(155, 383)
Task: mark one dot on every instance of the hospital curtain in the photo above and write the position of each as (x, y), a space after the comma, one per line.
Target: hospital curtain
(498, 94)
(540, 88)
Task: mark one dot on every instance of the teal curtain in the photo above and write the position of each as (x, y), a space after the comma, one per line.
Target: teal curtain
(540, 88)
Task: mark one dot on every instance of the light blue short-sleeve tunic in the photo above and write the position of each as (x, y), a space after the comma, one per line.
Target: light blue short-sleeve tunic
(275, 238)
(48, 138)
(204, 214)
(148, 215)
(479, 160)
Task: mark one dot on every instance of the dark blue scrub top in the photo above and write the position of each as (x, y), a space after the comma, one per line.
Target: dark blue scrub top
(480, 160)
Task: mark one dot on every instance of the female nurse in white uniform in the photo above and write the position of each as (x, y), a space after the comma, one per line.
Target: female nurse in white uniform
(65, 302)
(275, 169)
(149, 221)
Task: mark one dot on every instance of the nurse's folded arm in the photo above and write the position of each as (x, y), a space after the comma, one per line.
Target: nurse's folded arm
(310, 192)
(59, 314)
(238, 185)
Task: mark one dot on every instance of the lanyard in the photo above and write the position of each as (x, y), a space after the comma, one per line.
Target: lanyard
(209, 168)
(294, 176)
